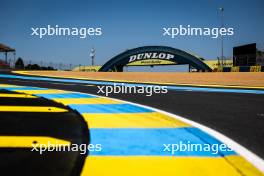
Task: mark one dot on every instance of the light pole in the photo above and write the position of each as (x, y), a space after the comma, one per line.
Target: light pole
(92, 55)
(222, 37)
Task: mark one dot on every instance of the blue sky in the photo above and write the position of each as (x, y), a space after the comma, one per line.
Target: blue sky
(125, 24)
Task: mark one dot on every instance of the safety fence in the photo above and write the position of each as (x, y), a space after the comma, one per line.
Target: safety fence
(241, 69)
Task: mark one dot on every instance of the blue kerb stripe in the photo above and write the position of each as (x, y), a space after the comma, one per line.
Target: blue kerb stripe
(108, 108)
(65, 95)
(179, 88)
(149, 142)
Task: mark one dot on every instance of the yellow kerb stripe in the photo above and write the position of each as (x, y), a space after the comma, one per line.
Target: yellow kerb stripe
(29, 141)
(132, 120)
(31, 109)
(157, 166)
(67, 101)
(9, 85)
(49, 91)
(16, 96)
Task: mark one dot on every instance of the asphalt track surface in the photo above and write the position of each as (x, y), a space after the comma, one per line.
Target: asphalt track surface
(239, 116)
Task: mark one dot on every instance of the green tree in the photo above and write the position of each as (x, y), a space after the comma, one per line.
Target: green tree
(19, 63)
